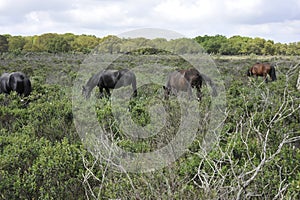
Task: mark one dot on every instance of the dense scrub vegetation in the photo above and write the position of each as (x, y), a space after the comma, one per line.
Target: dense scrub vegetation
(42, 156)
(218, 44)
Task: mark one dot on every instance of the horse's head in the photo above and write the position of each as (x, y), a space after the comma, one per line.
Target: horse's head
(86, 92)
(249, 72)
(167, 92)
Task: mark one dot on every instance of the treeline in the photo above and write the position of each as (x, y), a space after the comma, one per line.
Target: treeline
(238, 45)
(218, 44)
(49, 42)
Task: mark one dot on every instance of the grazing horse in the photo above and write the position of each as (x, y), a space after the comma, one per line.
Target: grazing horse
(110, 79)
(15, 81)
(186, 79)
(262, 69)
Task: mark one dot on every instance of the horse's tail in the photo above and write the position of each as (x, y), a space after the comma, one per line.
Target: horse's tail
(133, 83)
(211, 84)
(273, 73)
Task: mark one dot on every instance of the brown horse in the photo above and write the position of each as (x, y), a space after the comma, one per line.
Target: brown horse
(184, 80)
(262, 69)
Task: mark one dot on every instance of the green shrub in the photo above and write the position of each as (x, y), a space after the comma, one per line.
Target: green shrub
(35, 168)
(41, 156)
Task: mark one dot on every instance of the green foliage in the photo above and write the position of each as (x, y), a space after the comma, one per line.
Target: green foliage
(33, 167)
(218, 44)
(238, 45)
(3, 44)
(84, 43)
(16, 43)
(41, 156)
(211, 44)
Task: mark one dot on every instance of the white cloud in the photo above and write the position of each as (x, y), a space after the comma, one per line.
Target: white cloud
(182, 11)
(91, 14)
(240, 8)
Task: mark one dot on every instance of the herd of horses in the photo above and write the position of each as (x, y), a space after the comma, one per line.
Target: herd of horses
(180, 80)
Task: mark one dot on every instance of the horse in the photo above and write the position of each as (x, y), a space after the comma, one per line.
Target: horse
(186, 79)
(262, 69)
(15, 81)
(110, 79)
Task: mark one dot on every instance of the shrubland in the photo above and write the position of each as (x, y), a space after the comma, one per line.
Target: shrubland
(256, 155)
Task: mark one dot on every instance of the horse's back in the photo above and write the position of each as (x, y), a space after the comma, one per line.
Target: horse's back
(260, 68)
(4, 76)
(117, 78)
(177, 80)
(4, 79)
(126, 77)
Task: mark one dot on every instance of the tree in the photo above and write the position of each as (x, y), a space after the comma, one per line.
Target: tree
(211, 44)
(269, 48)
(234, 46)
(28, 44)
(293, 49)
(281, 49)
(84, 43)
(159, 43)
(110, 44)
(3, 44)
(43, 42)
(58, 44)
(255, 46)
(16, 43)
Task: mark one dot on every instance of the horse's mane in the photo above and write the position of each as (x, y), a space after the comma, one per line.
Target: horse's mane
(93, 80)
(210, 83)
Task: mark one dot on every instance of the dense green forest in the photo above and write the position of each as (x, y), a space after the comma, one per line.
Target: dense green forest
(42, 156)
(218, 44)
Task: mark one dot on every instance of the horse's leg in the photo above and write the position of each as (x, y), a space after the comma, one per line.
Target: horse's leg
(174, 91)
(167, 91)
(190, 93)
(199, 94)
(266, 77)
(100, 92)
(107, 91)
(134, 88)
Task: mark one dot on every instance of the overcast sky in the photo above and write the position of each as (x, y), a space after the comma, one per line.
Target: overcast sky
(277, 20)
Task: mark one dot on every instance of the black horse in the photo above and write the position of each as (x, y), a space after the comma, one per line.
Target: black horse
(15, 81)
(110, 79)
(185, 80)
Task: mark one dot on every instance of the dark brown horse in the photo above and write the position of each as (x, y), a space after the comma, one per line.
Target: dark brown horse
(184, 80)
(110, 79)
(262, 69)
